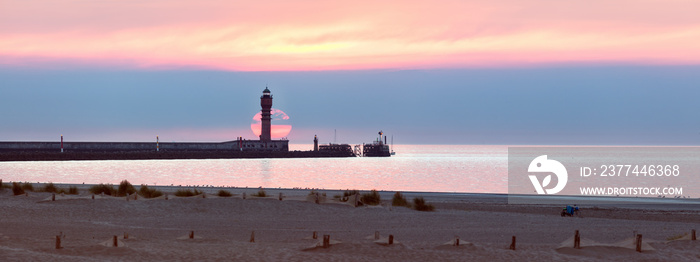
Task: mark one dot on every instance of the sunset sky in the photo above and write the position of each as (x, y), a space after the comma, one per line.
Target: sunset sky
(494, 72)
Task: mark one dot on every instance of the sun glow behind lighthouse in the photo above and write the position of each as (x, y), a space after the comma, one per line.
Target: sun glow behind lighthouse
(281, 125)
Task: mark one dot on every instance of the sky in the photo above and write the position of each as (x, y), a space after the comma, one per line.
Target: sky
(425, 72)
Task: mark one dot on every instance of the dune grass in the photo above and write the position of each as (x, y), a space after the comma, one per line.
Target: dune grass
(187, 192)
(224, 193)
(146, 192)
(51, 188)
(125, 188)
(17, 189)
(26, 186)
(73, 190)
(261, 193)
(21, 188)
(107, 189)
(400, 200)
(372, 198)
(420, 205)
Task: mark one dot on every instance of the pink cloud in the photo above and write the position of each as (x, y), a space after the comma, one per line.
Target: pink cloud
(312, 35)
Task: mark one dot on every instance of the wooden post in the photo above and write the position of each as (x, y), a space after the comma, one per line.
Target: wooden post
(315, 235)
(280, 196)
(58, 242)
(692, 235)
(456, 241)
(639, 242)
(357, 199)
(391, 239)
(376, 235)
(512, 244)
(243, 195)
(326, 241)
(317, 201)
(191, 234)
(93, 196)
(53, 197)
(115, 242)
(577, 240)
(252, 236)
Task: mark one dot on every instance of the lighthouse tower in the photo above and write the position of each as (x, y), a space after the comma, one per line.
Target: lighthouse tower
(266, 104)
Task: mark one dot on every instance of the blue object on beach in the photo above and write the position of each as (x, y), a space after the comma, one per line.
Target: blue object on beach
(570, 210)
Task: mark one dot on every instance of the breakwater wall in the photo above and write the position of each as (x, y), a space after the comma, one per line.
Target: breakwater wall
(51, 151)
(243, 145)
(112, 146)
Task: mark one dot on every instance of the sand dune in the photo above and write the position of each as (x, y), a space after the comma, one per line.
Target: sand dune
(223, 226)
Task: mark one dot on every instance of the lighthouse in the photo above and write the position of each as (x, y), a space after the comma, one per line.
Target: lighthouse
(266, 104)
(263, 128)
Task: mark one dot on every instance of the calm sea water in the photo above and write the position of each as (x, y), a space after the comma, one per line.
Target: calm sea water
(435, 168)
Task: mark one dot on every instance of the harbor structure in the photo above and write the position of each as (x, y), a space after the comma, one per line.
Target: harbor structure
(263, 147)
(343, 148)
(378, 148)
(315, 143)
(265, 143)
(266, 120)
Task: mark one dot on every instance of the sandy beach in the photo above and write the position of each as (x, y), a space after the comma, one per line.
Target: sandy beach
(158, 229)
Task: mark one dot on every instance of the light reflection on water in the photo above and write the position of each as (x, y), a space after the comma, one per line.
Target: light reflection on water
(438, 168)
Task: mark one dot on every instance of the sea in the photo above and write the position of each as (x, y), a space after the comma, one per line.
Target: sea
(417, 168)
